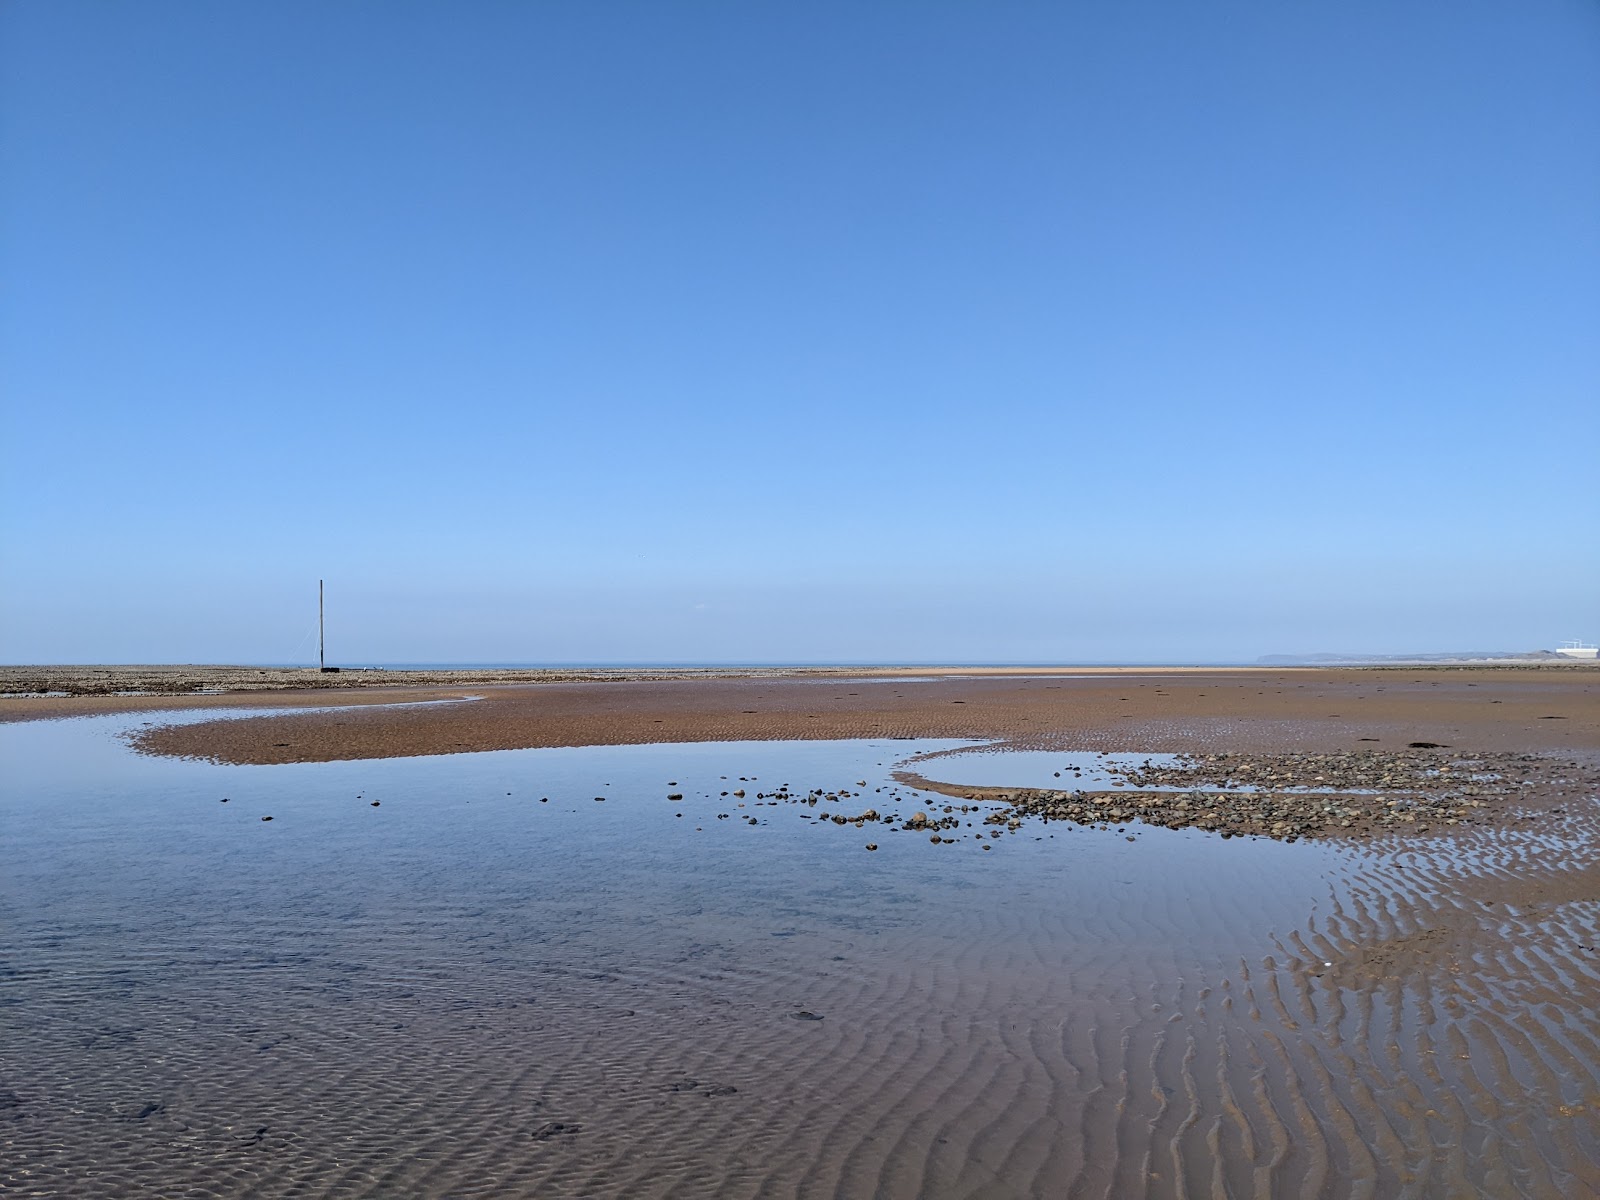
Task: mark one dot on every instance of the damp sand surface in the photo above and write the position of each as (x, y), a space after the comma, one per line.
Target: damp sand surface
(1129, 711)
(531, 973)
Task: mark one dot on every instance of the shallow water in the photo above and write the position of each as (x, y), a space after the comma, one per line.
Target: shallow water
(466, 991)
(1063, 769)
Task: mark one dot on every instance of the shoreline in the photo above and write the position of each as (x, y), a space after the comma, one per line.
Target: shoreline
(38, 683)
(1344, 718)
(1273, 710)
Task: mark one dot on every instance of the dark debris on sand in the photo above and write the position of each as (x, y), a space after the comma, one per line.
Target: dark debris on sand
(1291, 796)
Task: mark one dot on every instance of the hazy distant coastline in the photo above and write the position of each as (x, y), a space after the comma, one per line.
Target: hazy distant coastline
(1462, 657)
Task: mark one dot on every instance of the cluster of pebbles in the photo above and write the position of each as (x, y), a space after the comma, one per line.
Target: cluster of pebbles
(941, 827)
(1302, 795)
(1280, 796)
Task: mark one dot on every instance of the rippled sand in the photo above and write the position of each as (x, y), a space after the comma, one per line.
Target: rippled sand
(467, 992)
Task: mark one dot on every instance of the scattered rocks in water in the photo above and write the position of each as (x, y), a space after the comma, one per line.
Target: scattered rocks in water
(1283, 796)
(1296, 795)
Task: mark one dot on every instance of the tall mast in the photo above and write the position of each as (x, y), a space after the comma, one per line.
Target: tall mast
(322, 659)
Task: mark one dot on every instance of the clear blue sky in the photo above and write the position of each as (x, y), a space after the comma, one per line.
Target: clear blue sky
(900, 331)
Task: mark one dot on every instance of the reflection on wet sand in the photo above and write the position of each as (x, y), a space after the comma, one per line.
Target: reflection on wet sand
(468, 991)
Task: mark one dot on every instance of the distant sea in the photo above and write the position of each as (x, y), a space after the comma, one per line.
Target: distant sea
(715, 666)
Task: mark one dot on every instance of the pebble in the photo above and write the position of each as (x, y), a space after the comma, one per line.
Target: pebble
(1294, 795)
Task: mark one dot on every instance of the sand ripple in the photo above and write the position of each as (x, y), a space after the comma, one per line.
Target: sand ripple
(1057, 1020)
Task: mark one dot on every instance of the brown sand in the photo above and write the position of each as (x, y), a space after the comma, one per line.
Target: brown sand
(1260, 710)
(1429, 1029)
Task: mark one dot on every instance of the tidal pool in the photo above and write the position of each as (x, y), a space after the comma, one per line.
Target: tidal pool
(531, 973)
(1067, 770)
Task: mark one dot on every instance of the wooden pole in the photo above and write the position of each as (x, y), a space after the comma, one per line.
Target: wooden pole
(322, 658)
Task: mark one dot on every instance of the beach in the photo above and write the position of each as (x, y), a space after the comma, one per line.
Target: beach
(1134, 709)
(1137, 932)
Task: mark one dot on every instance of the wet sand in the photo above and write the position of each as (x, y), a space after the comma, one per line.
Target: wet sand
(617, 1004)
(1145, 711)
